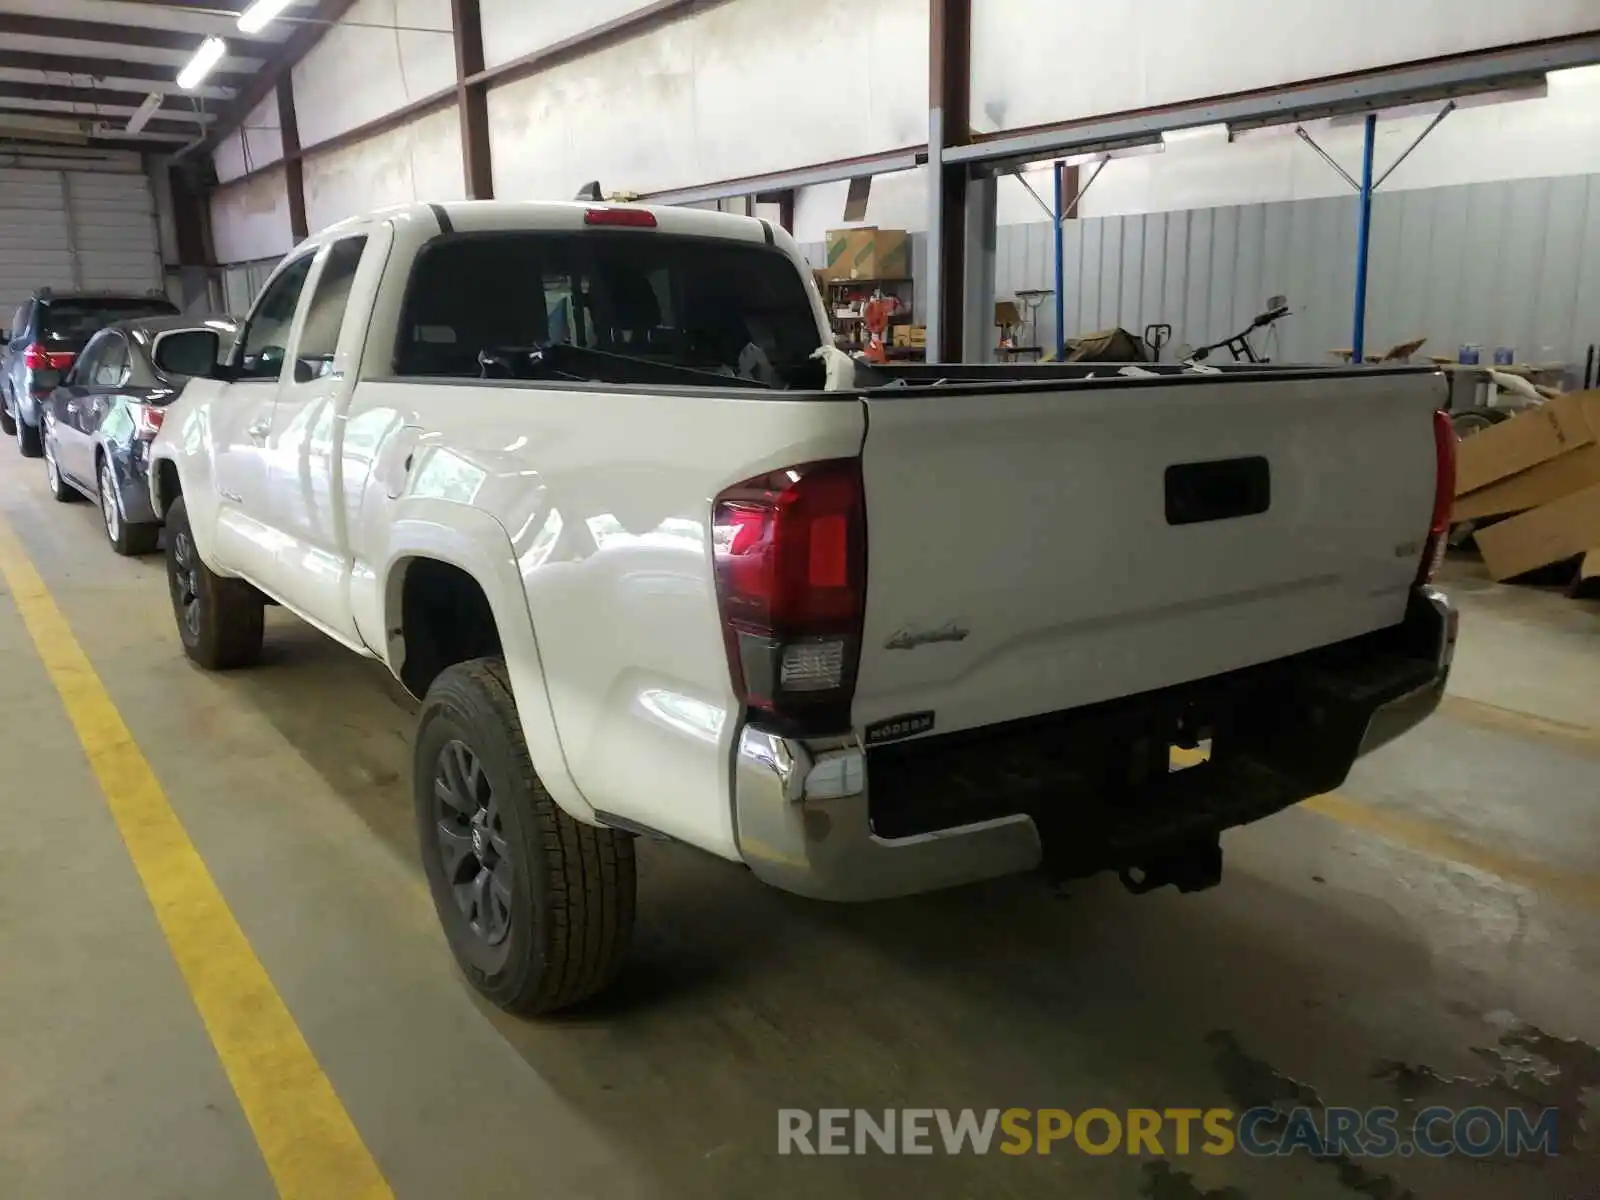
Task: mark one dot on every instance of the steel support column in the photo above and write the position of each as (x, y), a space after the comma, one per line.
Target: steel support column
(978, 332)
(1059, 215)
(1358, 332)
(294, 175)
(949, 124)
(472, 99)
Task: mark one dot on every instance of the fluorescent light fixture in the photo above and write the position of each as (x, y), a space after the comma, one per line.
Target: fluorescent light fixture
(1195, 133)
(256, 18)
(204, 60)
(141, 116)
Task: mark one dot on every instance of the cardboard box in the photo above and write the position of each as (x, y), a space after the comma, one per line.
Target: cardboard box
(1562, 529)
(1550, 480)
(1556, 427)
(868, 253)
(916, 335)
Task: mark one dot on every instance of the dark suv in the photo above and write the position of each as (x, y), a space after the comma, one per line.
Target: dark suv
(43, 339)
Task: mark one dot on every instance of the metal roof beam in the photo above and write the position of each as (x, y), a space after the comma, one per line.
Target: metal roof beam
(172, 107)
(907, 159)
(1412, 83)
(100, 67)
(27, 25)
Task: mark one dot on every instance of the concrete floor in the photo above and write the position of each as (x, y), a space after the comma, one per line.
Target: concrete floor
(1429, 935)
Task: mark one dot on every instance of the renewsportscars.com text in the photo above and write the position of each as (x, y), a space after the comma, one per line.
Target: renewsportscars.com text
(1259, 1132)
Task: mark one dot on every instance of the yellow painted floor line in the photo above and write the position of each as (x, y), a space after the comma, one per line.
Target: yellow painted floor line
(308, 1140)
(1425, 837)
(1582, 738)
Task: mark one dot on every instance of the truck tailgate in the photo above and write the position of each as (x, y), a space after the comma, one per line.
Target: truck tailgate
(1037, 549)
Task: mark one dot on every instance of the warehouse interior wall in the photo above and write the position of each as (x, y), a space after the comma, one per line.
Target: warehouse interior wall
(715, 96)
(419, 161)
(381, 56)
(250, 218)
(1038, 61)
(255, 144)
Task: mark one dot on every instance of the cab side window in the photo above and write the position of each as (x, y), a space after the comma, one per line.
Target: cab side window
(265, 336)
(319, 339)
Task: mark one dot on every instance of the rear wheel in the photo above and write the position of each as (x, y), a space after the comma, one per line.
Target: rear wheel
(538, 908)
(125, 538)
(220, 621)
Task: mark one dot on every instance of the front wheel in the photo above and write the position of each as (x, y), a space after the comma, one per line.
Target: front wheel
(125, 538)
(538, 908)
(59, 487)
(220, 621)
(29, 440)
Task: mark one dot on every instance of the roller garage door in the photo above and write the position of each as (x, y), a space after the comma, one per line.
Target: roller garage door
(75, 229)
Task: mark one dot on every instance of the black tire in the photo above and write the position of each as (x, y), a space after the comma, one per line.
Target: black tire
(1468, 421)
(28, 439)
(563, 914)
(8, 423)
(63, 491)
(128, 540)
(220, 621)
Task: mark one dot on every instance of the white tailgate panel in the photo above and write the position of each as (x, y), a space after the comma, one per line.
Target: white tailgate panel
(1036, 523)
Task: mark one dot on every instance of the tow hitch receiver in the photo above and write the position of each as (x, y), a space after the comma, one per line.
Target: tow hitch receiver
(1189, 866)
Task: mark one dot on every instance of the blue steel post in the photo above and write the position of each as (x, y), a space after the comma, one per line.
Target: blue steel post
(1358, 335)
(1061, 264)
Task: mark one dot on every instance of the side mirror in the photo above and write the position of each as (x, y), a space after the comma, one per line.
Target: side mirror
(189, 352)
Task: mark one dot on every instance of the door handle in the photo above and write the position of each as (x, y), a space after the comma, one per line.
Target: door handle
(259, 428)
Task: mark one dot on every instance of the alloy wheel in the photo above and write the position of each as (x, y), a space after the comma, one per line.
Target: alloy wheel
(471, 842)
(108, 500)
(185, 579)
(52, 473)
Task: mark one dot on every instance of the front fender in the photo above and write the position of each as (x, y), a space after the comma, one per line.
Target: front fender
(475, 542)
(185, 443)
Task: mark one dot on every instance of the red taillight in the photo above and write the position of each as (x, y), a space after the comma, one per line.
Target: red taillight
(634, 218)
(1444, 496)
(146, 419)
(37, 358)
(791, 569)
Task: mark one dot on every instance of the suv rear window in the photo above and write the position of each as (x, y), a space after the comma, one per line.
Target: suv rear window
(78, 320)
(478, 304)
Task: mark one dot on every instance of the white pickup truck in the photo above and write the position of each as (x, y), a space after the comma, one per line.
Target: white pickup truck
(572, 473)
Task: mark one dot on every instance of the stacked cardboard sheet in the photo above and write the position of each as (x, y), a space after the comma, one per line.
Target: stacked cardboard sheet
(1540, 472)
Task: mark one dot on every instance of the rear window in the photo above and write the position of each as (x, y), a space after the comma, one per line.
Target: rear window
(79, 320)
(478, 304)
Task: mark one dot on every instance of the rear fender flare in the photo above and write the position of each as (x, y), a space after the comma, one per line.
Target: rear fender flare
(474, 542)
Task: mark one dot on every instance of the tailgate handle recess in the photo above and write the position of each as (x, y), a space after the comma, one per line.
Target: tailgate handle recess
(1218, 491)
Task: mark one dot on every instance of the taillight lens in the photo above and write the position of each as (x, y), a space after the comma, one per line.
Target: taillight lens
(791, 571)
(146, 419)
(37, 358)
(1444, 496)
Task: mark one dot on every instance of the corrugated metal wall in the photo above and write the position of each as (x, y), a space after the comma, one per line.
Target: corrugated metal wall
(1514, 263)
(76, 229)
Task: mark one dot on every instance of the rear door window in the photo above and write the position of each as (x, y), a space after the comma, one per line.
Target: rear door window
(710, 305)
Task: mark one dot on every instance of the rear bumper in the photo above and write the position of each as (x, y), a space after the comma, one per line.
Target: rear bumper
(834, 822)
